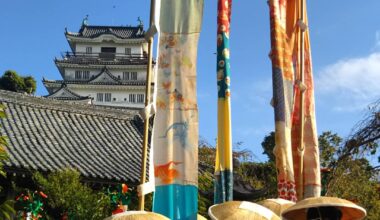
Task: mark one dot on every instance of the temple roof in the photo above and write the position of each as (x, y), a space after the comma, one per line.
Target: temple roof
(122, 32)
(103, 144)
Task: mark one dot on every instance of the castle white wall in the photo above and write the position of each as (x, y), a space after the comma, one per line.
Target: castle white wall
(118, 97)
(120, 48)
(70, 73)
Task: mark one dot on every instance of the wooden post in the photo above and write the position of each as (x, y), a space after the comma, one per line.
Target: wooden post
(147, 102)
(301, 147)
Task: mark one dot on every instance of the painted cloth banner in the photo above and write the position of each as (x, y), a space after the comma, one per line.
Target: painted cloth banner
(285, 55)
(175, 137)
(283, 80)
(311, 179)
(223, 185)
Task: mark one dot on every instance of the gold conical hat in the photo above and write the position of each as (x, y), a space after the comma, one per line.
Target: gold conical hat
(237, 210)
(276, 205)
(350, 211)
(137, 215)
(199, 217)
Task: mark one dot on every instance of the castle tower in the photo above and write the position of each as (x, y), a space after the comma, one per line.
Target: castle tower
(106, 66)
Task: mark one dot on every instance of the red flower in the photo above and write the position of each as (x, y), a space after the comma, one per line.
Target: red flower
(18, 197)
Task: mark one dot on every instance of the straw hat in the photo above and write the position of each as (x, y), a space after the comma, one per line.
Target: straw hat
(350, 211)
(137, 215)
(199, 217)
(236, 210)
(276, 205)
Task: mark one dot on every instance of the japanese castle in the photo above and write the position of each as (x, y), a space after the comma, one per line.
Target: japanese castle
(106, 66)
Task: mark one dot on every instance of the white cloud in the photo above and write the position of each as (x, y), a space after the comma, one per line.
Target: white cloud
(350, 84)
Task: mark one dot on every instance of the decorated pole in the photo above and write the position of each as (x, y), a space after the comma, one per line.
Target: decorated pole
(304, 130)
(301, 146)
(147, 102)
(223, 185)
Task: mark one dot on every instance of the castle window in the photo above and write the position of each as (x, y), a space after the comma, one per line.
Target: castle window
(132, 98)
(125, 75)
(133, 75)
(99, 97)
(107, 97)
(88, 50)
(140, 98)
(86, 74)
(128, 51)
(78, 74)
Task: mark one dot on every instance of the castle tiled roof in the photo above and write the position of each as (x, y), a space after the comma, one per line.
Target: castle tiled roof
(103, 144)
(65, 93)
(123, 32)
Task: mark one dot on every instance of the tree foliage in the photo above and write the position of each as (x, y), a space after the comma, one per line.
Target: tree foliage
(7, 206)
(12, 81)
(66, 194)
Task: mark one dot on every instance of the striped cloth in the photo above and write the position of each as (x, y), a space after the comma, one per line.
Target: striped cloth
(285, 55)
(223, 185)
(175, 131)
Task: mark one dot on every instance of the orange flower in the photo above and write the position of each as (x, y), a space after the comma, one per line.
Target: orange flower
(124, 188)
(43, 195)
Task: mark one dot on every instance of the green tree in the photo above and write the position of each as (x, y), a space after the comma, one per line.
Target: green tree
(30, 84)
(6, 207)
(12, 81)
(268, 145)
(67, 194)
(350, 177)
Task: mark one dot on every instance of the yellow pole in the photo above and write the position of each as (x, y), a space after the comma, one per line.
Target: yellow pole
(301, 147)
(147, 101)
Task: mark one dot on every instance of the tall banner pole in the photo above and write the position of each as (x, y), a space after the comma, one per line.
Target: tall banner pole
(304, 131)
(147, 102)
(223, 186)
(301, 146)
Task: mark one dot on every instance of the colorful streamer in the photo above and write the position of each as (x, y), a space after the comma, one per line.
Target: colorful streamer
(175, 131)
(285, 56)
(223, 186)
(311, 176)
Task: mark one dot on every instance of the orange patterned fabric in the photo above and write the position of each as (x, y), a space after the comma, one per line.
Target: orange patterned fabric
(283, 80)
(311, 186)
(285, 55)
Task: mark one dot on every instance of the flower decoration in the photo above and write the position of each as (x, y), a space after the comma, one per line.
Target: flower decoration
(31, 203)
(120, 198)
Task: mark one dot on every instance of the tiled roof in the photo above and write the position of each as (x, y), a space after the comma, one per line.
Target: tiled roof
(97, 61)
(123, 32)
(103, 144)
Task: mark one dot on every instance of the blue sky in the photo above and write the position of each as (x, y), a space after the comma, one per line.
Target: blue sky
(345, 41)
